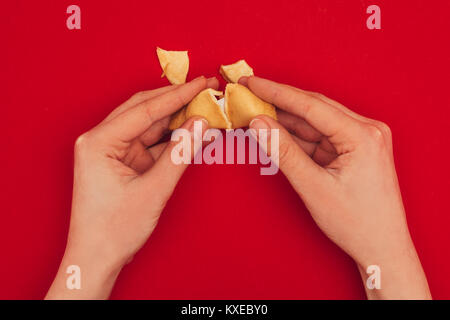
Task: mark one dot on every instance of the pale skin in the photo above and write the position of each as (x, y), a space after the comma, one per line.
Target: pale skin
(340, 163)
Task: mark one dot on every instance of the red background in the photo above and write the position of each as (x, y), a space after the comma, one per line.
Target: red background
(227, 232)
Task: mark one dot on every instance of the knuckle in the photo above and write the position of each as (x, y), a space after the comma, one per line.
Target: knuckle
(375, 134)
(181, 100)
(149, 114)
(308, 103)
(274, 95)
(385, 129)
(82, 141)
(317, 95)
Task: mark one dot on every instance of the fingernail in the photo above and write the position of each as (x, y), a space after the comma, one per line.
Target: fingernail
(202, 121)
(258, 124)
(259, 129)
(198, 126)
(205, 123)
(243, 80)
(197, 78)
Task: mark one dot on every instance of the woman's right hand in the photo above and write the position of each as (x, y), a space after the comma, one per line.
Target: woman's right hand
(342, 166)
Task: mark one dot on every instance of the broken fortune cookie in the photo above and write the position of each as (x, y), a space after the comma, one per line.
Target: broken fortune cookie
(235, 110)
(242, 105)
(233, 72)
(205, 105)
(175, 65)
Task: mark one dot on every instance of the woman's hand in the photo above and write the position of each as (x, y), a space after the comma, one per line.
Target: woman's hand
(342, 166)
(121, 186)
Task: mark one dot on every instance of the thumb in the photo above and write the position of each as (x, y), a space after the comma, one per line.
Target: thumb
(296, 165)
(176, 156)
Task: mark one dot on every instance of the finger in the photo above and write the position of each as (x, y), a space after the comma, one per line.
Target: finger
(295, 163)
(153, 134)
(157, 149)
(166, 171)
(307, 146)
(337, 105)
(142, 96)
(319, 152)
(135, 121)
(381, 126)
(328, 120)
(212, 83)
(138, 98)
(298, 126)
(301, 130)
(138, 158)
(328, 100)
(323, 157)
(244, 81)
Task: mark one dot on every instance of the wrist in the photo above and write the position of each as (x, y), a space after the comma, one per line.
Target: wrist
(400, 274)
(384, 248)
(84, 273)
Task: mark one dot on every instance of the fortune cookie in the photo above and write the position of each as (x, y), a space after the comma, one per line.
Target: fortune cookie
(175, 65)
(233, 72)
(241, 105)
(235, 110)
(205, 105)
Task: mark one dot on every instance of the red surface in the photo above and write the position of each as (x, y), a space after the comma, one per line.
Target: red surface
(227, 232)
